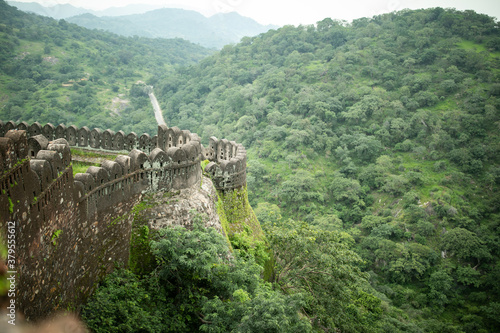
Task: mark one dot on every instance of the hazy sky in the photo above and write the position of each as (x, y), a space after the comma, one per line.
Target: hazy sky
(294, 12)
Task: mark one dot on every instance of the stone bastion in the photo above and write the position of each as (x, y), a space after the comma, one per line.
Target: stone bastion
(72, 230)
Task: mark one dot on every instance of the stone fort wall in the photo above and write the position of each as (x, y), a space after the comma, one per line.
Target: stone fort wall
(71, 230)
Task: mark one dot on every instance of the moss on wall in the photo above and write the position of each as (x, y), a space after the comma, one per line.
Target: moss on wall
(141, 259)
(242, 229)
(237, 215)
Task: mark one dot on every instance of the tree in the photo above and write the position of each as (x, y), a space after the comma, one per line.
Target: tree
(367, 148)
(395, 185)
(123, 304)
(399, 129)
(465, 244)
(321, 265)
(347, 191)
(468, 275)
(372, 221)
(404, 262)
(328, 222)
(267, 213)
(299, 188)
(246, 123)
(440, 284)
(265, 311)
(363, 109)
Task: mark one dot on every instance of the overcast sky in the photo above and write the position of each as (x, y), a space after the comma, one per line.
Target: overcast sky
(281, 12)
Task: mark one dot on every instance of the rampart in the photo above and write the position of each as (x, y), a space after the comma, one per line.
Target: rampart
(71, 230)
(227, 166)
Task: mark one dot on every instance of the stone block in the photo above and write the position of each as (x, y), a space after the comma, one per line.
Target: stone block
(49, 131)
(36, 143)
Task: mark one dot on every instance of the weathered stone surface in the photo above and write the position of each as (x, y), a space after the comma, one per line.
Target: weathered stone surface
(73, 229)
(36, 143)
(178, 208)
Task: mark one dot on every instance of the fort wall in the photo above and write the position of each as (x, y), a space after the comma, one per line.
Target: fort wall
(71, 230)
(227, 166)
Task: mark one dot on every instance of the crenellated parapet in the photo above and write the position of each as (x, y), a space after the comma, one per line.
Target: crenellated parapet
(137, 172)
(72, 228)
(174, 137)
(84, 137)
(13, 149)
(227, 166)
(228, 159)
(14, 169)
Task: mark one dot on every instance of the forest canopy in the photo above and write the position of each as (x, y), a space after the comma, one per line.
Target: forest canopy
(385, 128)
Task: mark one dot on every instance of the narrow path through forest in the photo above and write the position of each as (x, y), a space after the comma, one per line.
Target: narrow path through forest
(156, 107)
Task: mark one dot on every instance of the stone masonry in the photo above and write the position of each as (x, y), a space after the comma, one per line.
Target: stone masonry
(71, 231)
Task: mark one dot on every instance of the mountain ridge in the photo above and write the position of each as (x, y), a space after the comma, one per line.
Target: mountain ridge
(212, 32)
(63, 11)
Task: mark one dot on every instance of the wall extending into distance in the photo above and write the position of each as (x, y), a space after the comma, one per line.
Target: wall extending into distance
(71, 230)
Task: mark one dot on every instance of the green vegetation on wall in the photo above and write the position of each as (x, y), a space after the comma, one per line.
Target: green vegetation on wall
(141, 260)
(241, 226)
(237, 214)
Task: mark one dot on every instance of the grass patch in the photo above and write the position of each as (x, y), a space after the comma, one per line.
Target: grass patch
(81, 167)
(93, 154)
(468, 45)
(445, 105)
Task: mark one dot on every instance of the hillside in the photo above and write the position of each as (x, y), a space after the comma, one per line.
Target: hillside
(386, 128)
(54, 71)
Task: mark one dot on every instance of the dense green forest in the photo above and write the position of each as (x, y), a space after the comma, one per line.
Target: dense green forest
(385, 128)
(373, 167)
(54, 71)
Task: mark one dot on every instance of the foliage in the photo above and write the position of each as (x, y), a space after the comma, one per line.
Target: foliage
(464, 244)
(385, 128)
(55, 236)
(54, 71)
(320, 265)
(122, 304)
(267, 311)
(197, 285)
(248, 247)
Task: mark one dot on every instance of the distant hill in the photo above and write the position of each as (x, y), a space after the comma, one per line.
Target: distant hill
(57, 11)
(136, 20)
(66, 10)
(216, 31)
(55, 71)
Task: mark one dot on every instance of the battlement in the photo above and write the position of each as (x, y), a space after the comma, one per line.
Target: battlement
(228, 163)
(228, 159)
(13, 148)
(84, 137)
(70, 230)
